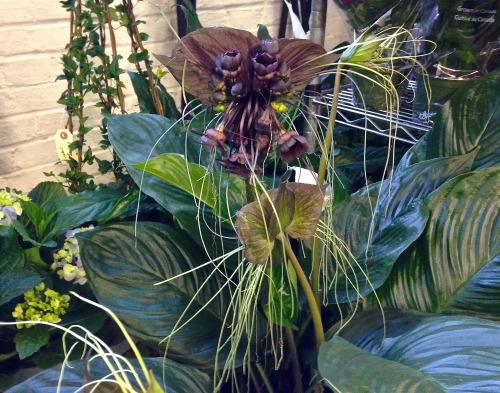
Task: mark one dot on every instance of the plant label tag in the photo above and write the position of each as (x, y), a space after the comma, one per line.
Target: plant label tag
(63, 139)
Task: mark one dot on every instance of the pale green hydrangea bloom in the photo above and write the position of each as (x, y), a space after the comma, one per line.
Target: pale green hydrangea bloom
(67, 262)
(40, 304)
(10, 206)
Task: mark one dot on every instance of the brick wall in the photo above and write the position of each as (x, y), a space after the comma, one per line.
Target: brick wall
(32, 39)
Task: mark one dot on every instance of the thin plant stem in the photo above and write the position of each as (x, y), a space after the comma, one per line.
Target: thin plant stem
(135, 35)
(325, 158)
(125, 333)
(295, 361)
(119, 90)
(303, 329)
(304, 282)
(253, 377)
(329, 131)
(81, 137)
(250, 191)
(69, 123)
(264, 377)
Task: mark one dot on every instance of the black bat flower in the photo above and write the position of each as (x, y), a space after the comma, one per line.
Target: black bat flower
(250, 80)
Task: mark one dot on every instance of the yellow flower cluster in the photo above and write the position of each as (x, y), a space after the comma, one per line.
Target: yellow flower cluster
(68, 258)
(40, 304)
(10, 207)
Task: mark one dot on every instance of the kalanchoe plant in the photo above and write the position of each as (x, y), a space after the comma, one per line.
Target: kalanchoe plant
(251, 81)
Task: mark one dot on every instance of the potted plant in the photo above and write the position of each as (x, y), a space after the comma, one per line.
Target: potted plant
(379, 80)
(363, 13)
(250, 281)
(466, 37)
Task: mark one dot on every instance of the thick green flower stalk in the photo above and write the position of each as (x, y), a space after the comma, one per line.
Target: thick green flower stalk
(40, 304)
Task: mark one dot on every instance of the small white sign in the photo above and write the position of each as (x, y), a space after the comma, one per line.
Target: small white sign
(63, 139)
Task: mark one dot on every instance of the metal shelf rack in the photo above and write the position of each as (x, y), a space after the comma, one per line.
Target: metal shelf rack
(400, 125)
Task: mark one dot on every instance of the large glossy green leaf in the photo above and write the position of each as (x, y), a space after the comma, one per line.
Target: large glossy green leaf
(174, 169)
(413, 352)
(340, 187)
(470, 119)
(15, 283)
(480, 296)
(388, 224)
(134, 138)
(347, 369)
(454, 265)
(351, 221)
(31, 238)
(30, 340)
(414, 182)
(125, 262)
(36, 216)
(167, 102)
(366, 268)
(11, 253)
(142, 90)
(127, 205)
(369, 161)
(283, 306)
(140, 136)
(199, 182)
(46, 192)
(417, 181)
(179, 378)
(77, 209)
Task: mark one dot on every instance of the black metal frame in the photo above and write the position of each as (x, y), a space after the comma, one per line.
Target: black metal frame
(301, 8)
(181, 18)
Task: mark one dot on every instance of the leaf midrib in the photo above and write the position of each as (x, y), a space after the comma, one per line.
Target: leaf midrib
(185, 294)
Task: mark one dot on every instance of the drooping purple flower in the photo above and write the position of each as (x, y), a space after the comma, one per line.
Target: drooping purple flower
(292, 145)
(240, 163)
(234, 70)
(215, 138)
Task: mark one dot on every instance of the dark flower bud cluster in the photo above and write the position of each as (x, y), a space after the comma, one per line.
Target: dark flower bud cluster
(272, 73)
(281, 83)
(270, 46)
(265, 65)
(229, 64)
(248, 86)
(239, 164)
(252, 82)
(239, 90)
(264, 72)
(218, 85)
